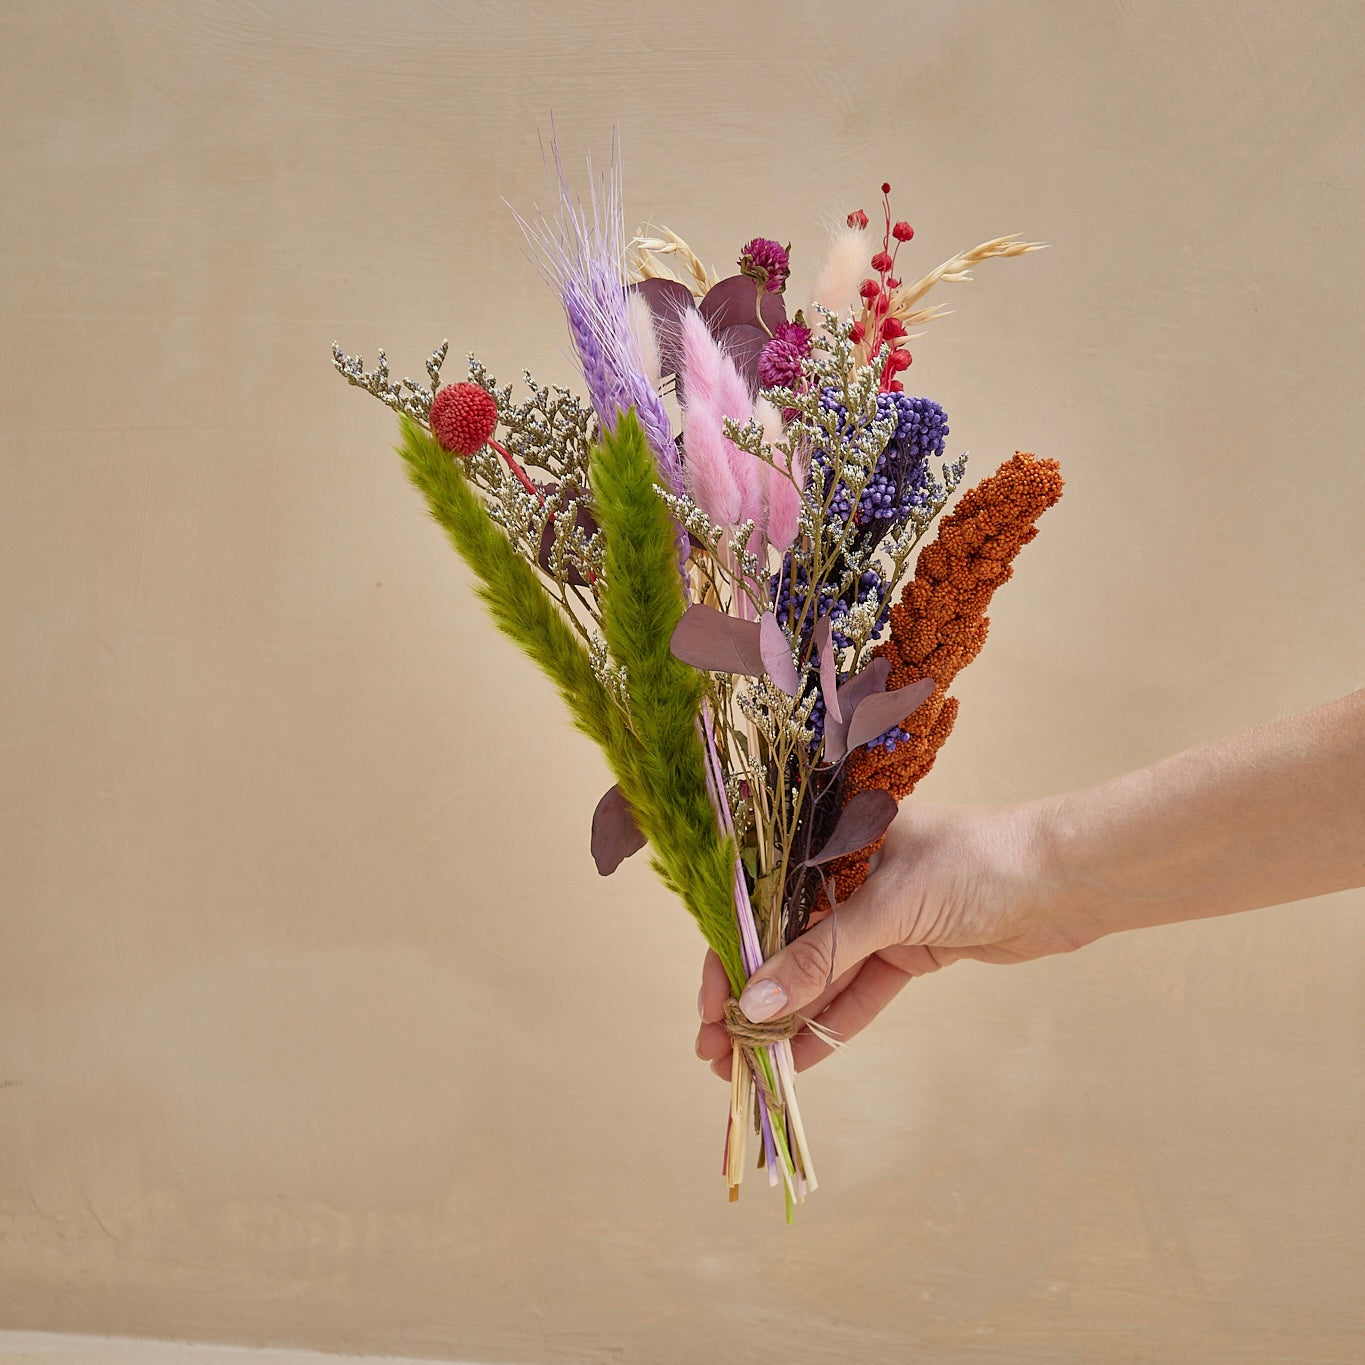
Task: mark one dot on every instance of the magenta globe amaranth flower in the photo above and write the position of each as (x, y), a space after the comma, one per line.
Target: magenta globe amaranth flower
(779, 362)
(766, 261)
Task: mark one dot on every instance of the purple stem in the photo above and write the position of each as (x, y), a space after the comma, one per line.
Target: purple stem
(751, 952)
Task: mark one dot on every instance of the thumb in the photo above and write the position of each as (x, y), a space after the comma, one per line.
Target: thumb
(792, 978)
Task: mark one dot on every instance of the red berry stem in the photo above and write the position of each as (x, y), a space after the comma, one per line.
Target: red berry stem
(517, 470)
(463, 418)
(877, 327)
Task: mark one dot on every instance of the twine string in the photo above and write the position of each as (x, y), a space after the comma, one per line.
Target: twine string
(749, 1037)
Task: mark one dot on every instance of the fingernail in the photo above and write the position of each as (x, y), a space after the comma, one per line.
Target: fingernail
(700, 993)
(761, 1000)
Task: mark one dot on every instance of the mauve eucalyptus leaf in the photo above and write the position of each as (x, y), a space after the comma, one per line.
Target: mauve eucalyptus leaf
(866, 683)
(709, 639)
(777, 654)
(615, 835)
(740, 301)
(869, 682)
(829, 674)
(876, 715)
(667, 301)
(743, 344)
(863, 821)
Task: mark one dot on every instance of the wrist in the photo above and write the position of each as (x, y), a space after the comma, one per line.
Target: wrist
(1076, 904)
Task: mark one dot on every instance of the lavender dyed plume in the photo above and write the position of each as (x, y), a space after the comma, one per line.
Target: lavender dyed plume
(580, 250)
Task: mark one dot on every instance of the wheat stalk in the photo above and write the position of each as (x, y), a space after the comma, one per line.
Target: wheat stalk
(954, 270)
(644, 265)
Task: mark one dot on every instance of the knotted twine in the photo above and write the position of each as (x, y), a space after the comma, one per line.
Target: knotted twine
(750, 1037)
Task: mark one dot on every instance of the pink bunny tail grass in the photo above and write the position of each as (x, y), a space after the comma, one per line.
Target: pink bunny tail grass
(714, 390)
(782, 489)
(701, 362)
(845, 265)
(641, 323)
(784, 504)
(733, 400)
(707, 467)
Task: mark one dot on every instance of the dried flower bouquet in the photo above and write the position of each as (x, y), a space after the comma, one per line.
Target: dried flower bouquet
(705, 557)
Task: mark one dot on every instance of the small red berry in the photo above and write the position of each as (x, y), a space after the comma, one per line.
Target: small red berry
(881, 262)
(892, 282)
(857, 332)
(869, 289)
(898, 360)
(886, 188)
(893, 328)
(902, 232)
(463, 417)
(857, 219)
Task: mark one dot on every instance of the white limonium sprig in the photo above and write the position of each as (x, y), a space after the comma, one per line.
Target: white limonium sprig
(407, 397)
(610, 674)
(769, 707)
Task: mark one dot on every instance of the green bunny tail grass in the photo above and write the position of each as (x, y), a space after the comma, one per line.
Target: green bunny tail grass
(641, 602)
(660, 765)
(515, 597)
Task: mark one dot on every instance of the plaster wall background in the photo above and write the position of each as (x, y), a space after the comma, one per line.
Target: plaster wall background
(311, 1001)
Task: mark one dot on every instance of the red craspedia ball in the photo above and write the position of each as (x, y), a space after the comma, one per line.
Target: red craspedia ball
(463, 417)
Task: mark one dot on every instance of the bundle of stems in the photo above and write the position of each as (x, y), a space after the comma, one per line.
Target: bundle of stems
(703, 557)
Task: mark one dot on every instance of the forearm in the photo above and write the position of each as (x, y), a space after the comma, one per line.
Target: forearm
(1263, 817)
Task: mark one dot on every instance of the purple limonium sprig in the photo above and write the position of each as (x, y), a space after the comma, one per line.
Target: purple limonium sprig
(581, 250)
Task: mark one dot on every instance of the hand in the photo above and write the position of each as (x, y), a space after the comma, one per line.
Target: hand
(1263, 817)
(951, 882)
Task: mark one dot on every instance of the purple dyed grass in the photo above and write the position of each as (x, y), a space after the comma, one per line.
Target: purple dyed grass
(581, 251)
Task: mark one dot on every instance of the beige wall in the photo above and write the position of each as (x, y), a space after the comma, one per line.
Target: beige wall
(317, 1027)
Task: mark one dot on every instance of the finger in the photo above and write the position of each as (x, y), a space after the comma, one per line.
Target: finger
(791, 980)
(715, 989)
(713, 1038)
(826, 997)
(877, 983)
(713, 1042)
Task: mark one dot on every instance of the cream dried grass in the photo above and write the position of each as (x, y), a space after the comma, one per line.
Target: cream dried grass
(643, 263)
(957, 269)
(844, 268)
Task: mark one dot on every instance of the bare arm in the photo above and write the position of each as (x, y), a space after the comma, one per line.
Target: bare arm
(1270, 815)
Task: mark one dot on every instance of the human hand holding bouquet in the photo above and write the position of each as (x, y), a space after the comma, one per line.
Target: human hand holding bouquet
(708, 557)
(950, 883)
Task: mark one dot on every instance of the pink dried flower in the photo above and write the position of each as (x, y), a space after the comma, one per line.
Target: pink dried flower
(779, 362)
(857, 219)
(779, 365)
(767, 262)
